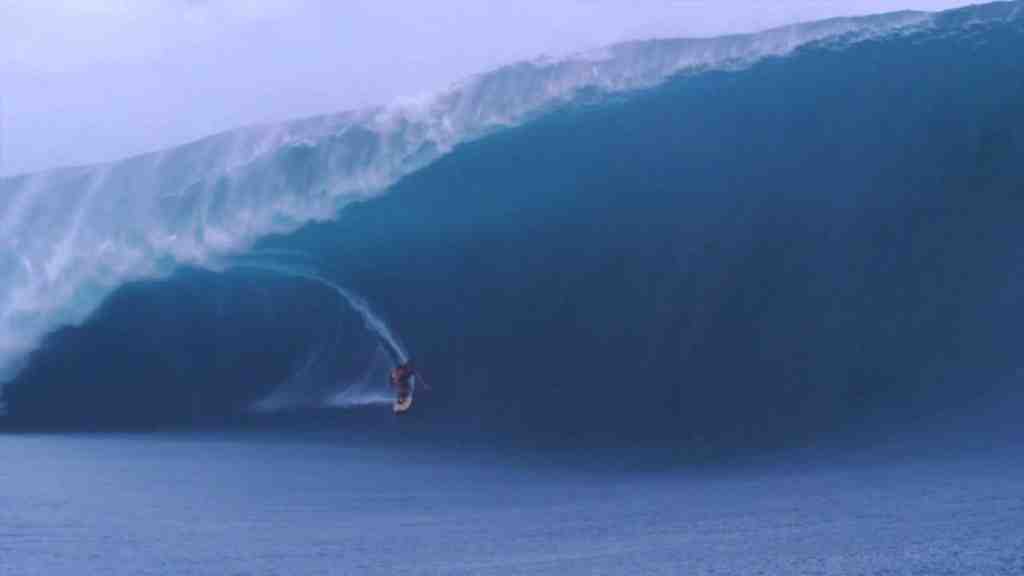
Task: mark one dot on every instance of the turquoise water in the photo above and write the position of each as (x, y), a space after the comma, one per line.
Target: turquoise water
(819, 248)
(733, 259)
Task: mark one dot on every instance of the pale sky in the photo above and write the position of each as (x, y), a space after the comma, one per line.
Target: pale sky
(84, 81)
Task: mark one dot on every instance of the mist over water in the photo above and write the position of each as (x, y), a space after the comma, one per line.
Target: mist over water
(114, 78)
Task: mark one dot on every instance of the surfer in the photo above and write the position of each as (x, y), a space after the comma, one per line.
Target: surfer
(401, 380)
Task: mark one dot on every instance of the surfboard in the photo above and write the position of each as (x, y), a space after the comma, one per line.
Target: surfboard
(401, 405)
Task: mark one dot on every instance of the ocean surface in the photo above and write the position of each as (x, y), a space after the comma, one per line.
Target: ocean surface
(739, 305)
(286, 503)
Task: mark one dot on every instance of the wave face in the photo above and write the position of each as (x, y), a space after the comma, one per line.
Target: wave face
(69, 237)
(811, 228)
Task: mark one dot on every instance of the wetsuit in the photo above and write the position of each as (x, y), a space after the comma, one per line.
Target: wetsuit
(401, 379)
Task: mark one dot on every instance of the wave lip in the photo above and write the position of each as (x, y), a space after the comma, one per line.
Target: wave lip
(69, 237)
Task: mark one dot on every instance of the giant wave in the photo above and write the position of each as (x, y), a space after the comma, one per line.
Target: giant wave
(70, 236)
(764, 237)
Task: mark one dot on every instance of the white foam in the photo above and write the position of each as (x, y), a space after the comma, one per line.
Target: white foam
(69, 237)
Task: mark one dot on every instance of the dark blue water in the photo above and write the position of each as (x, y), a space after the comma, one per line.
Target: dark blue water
(627, 308)
(269, 504)
(824, 243)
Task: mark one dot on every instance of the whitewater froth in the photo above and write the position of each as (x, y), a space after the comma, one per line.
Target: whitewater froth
(69, 237)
